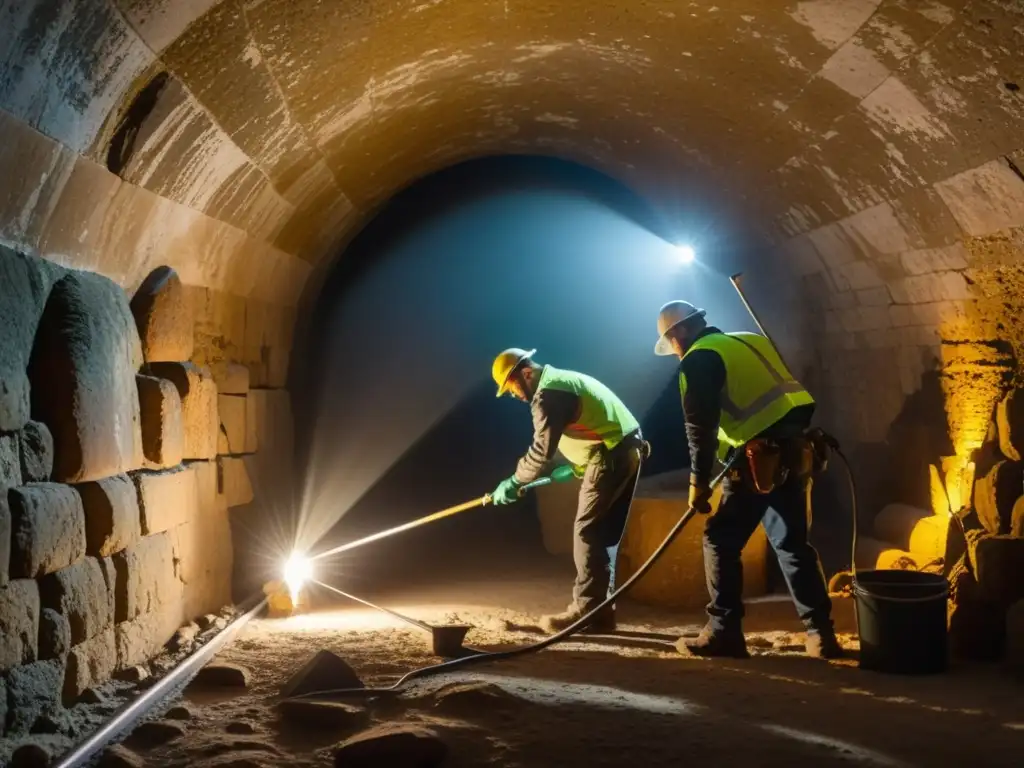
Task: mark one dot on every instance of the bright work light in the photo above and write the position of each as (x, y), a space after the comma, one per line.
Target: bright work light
(686, 254)
(298, 569)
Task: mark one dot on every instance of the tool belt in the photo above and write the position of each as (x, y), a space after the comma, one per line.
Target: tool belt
(770, 462)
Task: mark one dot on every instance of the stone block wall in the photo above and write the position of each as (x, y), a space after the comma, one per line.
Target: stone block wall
(920, 296)
(128, 431)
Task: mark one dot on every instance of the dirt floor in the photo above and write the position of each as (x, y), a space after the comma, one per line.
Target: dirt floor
(620, 700)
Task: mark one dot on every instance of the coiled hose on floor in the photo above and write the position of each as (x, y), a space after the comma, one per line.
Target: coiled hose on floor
(448, 666)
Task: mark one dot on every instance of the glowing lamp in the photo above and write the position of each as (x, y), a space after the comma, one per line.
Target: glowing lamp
(685, 254)
(298, 569)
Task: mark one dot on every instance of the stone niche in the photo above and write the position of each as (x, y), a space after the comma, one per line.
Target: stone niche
(114, 508)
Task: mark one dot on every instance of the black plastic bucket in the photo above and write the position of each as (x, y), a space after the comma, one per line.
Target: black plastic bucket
(901, 619)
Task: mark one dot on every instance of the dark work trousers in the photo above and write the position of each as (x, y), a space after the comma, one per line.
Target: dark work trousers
(601, 514)
(784, 514)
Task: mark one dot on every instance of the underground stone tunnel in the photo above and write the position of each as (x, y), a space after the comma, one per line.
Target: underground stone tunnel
(180, 179)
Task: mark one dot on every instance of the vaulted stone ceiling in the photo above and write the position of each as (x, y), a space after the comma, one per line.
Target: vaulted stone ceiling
(874, 146)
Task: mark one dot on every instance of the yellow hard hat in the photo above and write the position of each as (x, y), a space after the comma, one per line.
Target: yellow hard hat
(507, 362)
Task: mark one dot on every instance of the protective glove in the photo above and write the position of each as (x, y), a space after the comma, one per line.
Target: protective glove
(564, 473)
(700, 499)
(507, 491)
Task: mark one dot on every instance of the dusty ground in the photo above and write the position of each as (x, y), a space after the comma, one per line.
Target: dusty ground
(610, 701)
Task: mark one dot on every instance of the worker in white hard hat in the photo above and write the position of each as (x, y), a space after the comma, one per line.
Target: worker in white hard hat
(579, 416)
(738, 395)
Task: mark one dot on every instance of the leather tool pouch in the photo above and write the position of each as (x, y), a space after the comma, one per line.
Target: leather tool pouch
(765, 464)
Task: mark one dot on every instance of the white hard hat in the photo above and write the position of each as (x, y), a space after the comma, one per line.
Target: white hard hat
(671, 315)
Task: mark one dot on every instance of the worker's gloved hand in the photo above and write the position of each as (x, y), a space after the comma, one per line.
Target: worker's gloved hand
(564, 473)
(700, 498)
(506, 492)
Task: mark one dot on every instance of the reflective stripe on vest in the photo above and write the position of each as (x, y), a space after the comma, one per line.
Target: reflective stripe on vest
(776, 391)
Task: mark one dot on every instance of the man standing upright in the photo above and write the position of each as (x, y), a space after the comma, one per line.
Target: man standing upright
(738, 396)
(579, 416)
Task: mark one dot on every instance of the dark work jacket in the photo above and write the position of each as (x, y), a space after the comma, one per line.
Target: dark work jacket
(702, 410)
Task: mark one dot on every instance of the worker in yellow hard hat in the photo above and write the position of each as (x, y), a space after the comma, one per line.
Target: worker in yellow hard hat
(739, 396)
(579, 416)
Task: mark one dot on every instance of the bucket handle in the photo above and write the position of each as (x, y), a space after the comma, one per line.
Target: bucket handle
(859, 590)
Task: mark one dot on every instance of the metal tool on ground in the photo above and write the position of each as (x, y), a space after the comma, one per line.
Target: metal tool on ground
(432, 518)
(445, 641)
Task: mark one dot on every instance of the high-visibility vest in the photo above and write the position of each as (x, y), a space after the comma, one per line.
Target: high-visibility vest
(602, 417)
(759, 390)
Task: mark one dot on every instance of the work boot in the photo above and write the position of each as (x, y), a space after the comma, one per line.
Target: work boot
(822, 644)
(602, 623)
(715, 642)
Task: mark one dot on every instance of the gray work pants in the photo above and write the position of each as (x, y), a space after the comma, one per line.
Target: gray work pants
(601, 514)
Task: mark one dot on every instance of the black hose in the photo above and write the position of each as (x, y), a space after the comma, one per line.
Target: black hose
(534, 647)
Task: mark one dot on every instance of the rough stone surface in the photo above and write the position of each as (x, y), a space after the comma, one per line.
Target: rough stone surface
(322, 715)
(234, 480)
(10, 461)
(93, 696)
(393, 745)
(146, 580)
(1016, 519)
(324, 671)
(19, 623)
(222, 675)
(240, 728)
(142, 638)
(3, 706)
(163, 314)
(996, 492)
(463, 699)
(154, 733)
(83, 371)
(5, 539)
(252, 437)
(231, 378)
(133, 674)
(80, 593)
(119, 756)
(54, 635)
(232, 411)
(47, 529)
(179, 712)
(167, 499)
(36, 453)
(998, 562)
(30, 755)
(1010, 425)
(111, 515)
(163, 430)
(977, 626)
(89, 663)
(198, 393)
(25, 283)
(33, 690)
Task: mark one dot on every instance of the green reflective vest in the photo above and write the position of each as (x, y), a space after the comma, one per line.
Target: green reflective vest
(602, 417)
(759, 389)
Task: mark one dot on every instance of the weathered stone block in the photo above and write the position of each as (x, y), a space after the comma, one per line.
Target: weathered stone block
(10, 461)
(163, 429)
(47, 529)
(5, 539)
(19, 623)
(231, 378)
(998, 562)
(921, 262)
(33, 690)
(1010, 425)
(90, 663)
(995, 493)
(252, 438)
(36, 453)
(80, 593)
(203, 548)
(986, 199)
(163, 314)
(111, 515)
(977, 627)
(143, 637)
(83, 378)
(146, 580)
(25, 283)
(234, 480)
(198, 394)
(54, 635)
(166, 498)
(232, 412)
